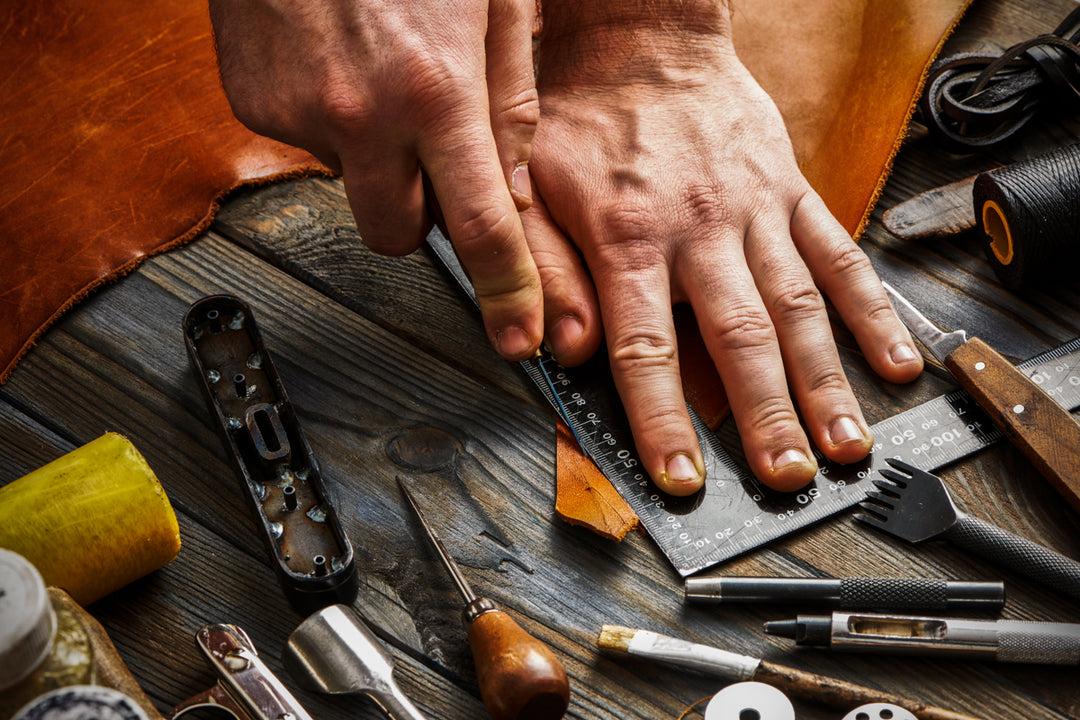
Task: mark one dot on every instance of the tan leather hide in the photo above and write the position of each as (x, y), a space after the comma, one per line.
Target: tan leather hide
(117, 142)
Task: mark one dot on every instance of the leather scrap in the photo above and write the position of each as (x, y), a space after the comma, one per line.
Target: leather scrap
(117, 142)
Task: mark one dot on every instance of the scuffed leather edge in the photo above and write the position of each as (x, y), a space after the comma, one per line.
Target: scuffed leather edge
(901, 132)
(302, 170)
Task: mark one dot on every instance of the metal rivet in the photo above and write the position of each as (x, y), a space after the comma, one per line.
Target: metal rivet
(980, 365)
(1018, 409)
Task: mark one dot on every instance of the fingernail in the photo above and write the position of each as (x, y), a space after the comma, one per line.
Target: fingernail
(791, 460)
(566, 334)
(681, 474)
(513, 342)
(903, 353)
(846, 430)
(521, 187)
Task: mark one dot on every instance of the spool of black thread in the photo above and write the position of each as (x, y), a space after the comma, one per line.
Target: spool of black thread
(1030, 214)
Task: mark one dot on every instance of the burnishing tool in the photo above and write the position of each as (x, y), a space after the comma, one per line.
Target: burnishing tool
(519, 677)
(1041, 428)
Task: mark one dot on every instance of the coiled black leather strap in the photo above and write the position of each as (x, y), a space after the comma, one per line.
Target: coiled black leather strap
(974, 102)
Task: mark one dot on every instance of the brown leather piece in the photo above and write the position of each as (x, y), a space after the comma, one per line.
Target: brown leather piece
(116, 142)
(846, 75)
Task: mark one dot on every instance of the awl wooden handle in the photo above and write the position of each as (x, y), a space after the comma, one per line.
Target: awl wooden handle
(1043, 430)
(519, 677)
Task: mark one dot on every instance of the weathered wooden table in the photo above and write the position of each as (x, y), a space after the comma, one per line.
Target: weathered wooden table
(379, 353)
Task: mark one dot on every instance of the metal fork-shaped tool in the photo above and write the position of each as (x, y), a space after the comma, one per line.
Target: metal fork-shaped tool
(915, 505)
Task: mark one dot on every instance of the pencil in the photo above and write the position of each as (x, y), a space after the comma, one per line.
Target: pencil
(737, 668)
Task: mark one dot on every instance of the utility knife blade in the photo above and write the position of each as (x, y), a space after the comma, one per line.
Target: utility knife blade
(1043, 430)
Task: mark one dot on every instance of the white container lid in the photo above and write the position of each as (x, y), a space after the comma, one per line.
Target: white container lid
(81, 702)
(27, 620)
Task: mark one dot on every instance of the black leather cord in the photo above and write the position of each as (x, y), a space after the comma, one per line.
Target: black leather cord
(974, 102)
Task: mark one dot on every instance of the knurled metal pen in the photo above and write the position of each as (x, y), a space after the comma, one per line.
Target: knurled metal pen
(852, 593)
(1020, 641)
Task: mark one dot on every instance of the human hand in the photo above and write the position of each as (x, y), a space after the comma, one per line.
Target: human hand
(670, 169)
(380, 91)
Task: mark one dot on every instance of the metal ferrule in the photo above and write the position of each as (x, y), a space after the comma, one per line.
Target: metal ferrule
(475, 608)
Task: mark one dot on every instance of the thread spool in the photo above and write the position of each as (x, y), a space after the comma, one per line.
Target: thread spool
(750, 701)
(879, 711)
(1029, 212)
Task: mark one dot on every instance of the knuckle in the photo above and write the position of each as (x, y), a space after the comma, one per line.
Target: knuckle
(521, 110)
(487, 230)
(772, 416)
(847, 258)
(878, 309)
(340, 106)
(742, 329)
(798, 301)
(708, 205)
(829, 380)
(632, 229)
(642, 352)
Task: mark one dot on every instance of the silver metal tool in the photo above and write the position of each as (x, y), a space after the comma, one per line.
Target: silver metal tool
(1018, 641)
(334, 652)
(1037, 425)
(915, 505)
(246, 689)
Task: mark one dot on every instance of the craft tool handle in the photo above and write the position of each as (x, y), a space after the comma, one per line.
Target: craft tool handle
(1019, 554)
(1045, 432)
(519, 677)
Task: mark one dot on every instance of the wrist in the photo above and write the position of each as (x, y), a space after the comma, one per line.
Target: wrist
(597, 42)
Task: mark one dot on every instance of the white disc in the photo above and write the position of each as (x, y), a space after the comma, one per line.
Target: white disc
(879, 711)
(750, 701)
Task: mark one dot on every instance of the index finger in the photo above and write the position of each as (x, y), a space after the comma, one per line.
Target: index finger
(483, 224)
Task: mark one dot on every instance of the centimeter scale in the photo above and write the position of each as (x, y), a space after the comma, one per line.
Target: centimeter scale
(734, 512)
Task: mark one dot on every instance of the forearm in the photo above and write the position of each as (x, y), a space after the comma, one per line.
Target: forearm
(600, 41)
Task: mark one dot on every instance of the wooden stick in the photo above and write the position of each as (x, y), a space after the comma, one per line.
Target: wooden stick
(732, 666)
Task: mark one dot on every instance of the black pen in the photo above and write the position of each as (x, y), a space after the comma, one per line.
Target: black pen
(1020, 641)
(853, 593)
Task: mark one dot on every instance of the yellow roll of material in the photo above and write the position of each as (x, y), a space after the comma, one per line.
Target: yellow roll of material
(91, 521)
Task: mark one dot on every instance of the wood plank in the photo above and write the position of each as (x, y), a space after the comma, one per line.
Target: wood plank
(338, 367)
(390, 373)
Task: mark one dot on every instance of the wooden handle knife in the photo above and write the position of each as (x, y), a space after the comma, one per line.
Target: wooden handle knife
(1047, 434)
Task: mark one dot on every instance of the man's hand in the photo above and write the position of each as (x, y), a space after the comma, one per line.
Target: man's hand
(670, 169)
(382, 90)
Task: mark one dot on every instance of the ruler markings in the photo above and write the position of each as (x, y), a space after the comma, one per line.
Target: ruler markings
(734, 513)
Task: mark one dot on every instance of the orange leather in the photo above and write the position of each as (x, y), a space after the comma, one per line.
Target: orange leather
(116, 143)
(845, 75)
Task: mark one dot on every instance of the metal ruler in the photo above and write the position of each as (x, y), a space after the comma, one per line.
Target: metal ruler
(734, 512)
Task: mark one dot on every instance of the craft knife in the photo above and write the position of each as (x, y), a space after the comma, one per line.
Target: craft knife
(1045, 432)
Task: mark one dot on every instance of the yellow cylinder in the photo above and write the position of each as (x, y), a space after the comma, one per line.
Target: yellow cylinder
(91, 521)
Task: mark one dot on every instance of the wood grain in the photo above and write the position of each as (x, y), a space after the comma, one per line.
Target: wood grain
(390, 373)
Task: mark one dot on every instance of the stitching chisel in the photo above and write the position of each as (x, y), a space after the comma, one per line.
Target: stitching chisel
(1043, 430)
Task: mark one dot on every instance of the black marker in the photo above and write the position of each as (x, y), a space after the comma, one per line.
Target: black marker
(853, 592)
